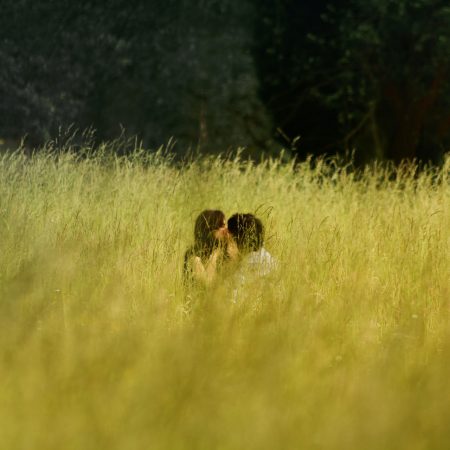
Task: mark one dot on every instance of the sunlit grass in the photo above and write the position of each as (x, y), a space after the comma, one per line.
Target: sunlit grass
(348, 347)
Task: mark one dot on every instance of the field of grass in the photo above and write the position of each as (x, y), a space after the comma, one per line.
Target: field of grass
(347, 347)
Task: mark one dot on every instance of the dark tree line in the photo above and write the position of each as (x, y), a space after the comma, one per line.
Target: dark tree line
(315, 77)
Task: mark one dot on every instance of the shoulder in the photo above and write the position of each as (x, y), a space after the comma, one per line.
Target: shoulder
(262, 261)
(260, 256)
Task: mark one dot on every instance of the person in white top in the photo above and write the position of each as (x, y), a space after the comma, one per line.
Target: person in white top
(254, 261)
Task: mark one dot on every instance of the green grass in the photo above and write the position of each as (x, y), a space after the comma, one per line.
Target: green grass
(349, 348)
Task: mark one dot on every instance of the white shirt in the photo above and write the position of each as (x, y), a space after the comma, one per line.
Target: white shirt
(254, 265)
(260, 262)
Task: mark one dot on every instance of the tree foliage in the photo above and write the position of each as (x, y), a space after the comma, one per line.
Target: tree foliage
(384, 68)
(328, 76)
(177, 69)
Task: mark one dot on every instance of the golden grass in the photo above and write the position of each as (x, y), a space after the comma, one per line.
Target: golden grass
(349, 348)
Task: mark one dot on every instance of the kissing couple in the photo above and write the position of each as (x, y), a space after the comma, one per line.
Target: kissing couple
(221, 246)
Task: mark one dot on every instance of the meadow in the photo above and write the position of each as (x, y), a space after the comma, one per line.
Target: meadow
(347, 347)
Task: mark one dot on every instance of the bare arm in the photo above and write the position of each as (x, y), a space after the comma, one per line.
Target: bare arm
(205, 273)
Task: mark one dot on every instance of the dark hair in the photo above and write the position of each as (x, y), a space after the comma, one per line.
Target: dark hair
(206, 223)
(247, 230)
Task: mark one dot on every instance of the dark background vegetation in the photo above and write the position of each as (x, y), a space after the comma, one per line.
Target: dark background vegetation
(315, 77)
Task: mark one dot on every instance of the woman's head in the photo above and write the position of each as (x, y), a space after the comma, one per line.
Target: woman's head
(210, 229)
(247, 230)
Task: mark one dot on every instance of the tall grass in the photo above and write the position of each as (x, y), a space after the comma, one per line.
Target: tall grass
(347, 347)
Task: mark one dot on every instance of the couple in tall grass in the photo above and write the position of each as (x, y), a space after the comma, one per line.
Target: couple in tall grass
(223, 248)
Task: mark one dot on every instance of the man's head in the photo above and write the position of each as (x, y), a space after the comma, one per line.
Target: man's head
(247, 230)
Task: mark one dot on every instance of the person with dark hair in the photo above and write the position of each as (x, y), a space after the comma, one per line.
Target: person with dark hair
(202, 260)
(247, 232)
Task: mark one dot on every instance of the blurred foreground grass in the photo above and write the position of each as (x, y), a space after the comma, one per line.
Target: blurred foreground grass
(349, 349)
